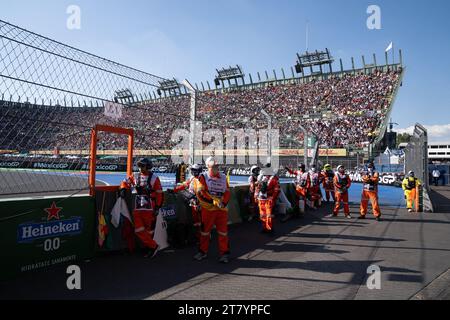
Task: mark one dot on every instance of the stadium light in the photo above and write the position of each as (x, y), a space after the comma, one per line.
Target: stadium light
(124, 96)
(171, 86)
(312, 59)
(230, 73)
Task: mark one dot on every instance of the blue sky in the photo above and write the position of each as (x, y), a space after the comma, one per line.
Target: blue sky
(189, 39)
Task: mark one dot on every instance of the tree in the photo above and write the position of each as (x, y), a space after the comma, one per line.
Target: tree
(403, 138)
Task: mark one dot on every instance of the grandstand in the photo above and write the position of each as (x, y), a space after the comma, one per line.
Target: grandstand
(52, 95)
(342, 109)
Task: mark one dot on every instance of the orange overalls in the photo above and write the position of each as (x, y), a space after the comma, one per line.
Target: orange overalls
(253, 205)
(328, 184)
(268, 189)
(314, 190)
(370, 192)
(191, 185)
(149, 200)
(410, 185)
(213, 191)
(341, 185)
(302, 184)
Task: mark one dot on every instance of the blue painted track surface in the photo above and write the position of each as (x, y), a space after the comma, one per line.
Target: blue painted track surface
(389, 196)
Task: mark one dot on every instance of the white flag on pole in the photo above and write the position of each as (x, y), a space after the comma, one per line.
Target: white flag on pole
(389, 48)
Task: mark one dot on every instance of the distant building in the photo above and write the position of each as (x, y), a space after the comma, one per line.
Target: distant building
(439, 151)
(402, 146)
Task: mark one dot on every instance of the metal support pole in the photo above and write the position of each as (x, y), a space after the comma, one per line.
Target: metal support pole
(305, 145)
(269, 134)
(193, 116)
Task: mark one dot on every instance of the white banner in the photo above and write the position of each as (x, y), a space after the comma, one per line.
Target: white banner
(113, 110)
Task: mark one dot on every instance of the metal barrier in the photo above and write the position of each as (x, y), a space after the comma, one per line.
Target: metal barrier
(416, 155)
(44, 88)
(446, 179)
(416, 159)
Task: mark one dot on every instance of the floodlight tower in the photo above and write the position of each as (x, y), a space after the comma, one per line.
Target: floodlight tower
(312, 59)
(171, 86)
(228, 74)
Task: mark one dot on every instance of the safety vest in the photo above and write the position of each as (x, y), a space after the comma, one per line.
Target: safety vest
(329, 175)
(144, 186)
(302, 179)
(193, 185)
(371, 185)
(342, 180)
(140, 181)
(411, 184)
(252, 180)
(264, 183)
(315, 179)
(216, 186)
(180, 174)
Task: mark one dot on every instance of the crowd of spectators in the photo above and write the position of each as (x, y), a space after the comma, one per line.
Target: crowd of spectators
(341, 111)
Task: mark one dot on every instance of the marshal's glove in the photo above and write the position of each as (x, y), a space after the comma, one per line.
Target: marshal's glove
(218, 203)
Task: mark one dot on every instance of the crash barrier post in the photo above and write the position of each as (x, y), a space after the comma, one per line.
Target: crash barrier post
(416, 159)
(41, 233)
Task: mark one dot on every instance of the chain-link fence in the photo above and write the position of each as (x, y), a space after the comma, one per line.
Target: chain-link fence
(416, 160)
(416, 155)
(51, 96)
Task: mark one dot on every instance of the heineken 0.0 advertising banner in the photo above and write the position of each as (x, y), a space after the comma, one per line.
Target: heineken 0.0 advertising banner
(37, 234)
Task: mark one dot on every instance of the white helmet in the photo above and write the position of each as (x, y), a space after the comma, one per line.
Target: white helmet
(341, 167)
(255, 170)
(196, 169)
(211, 162)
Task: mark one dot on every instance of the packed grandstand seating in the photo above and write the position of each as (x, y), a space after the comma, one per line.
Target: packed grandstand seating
(341, 111)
